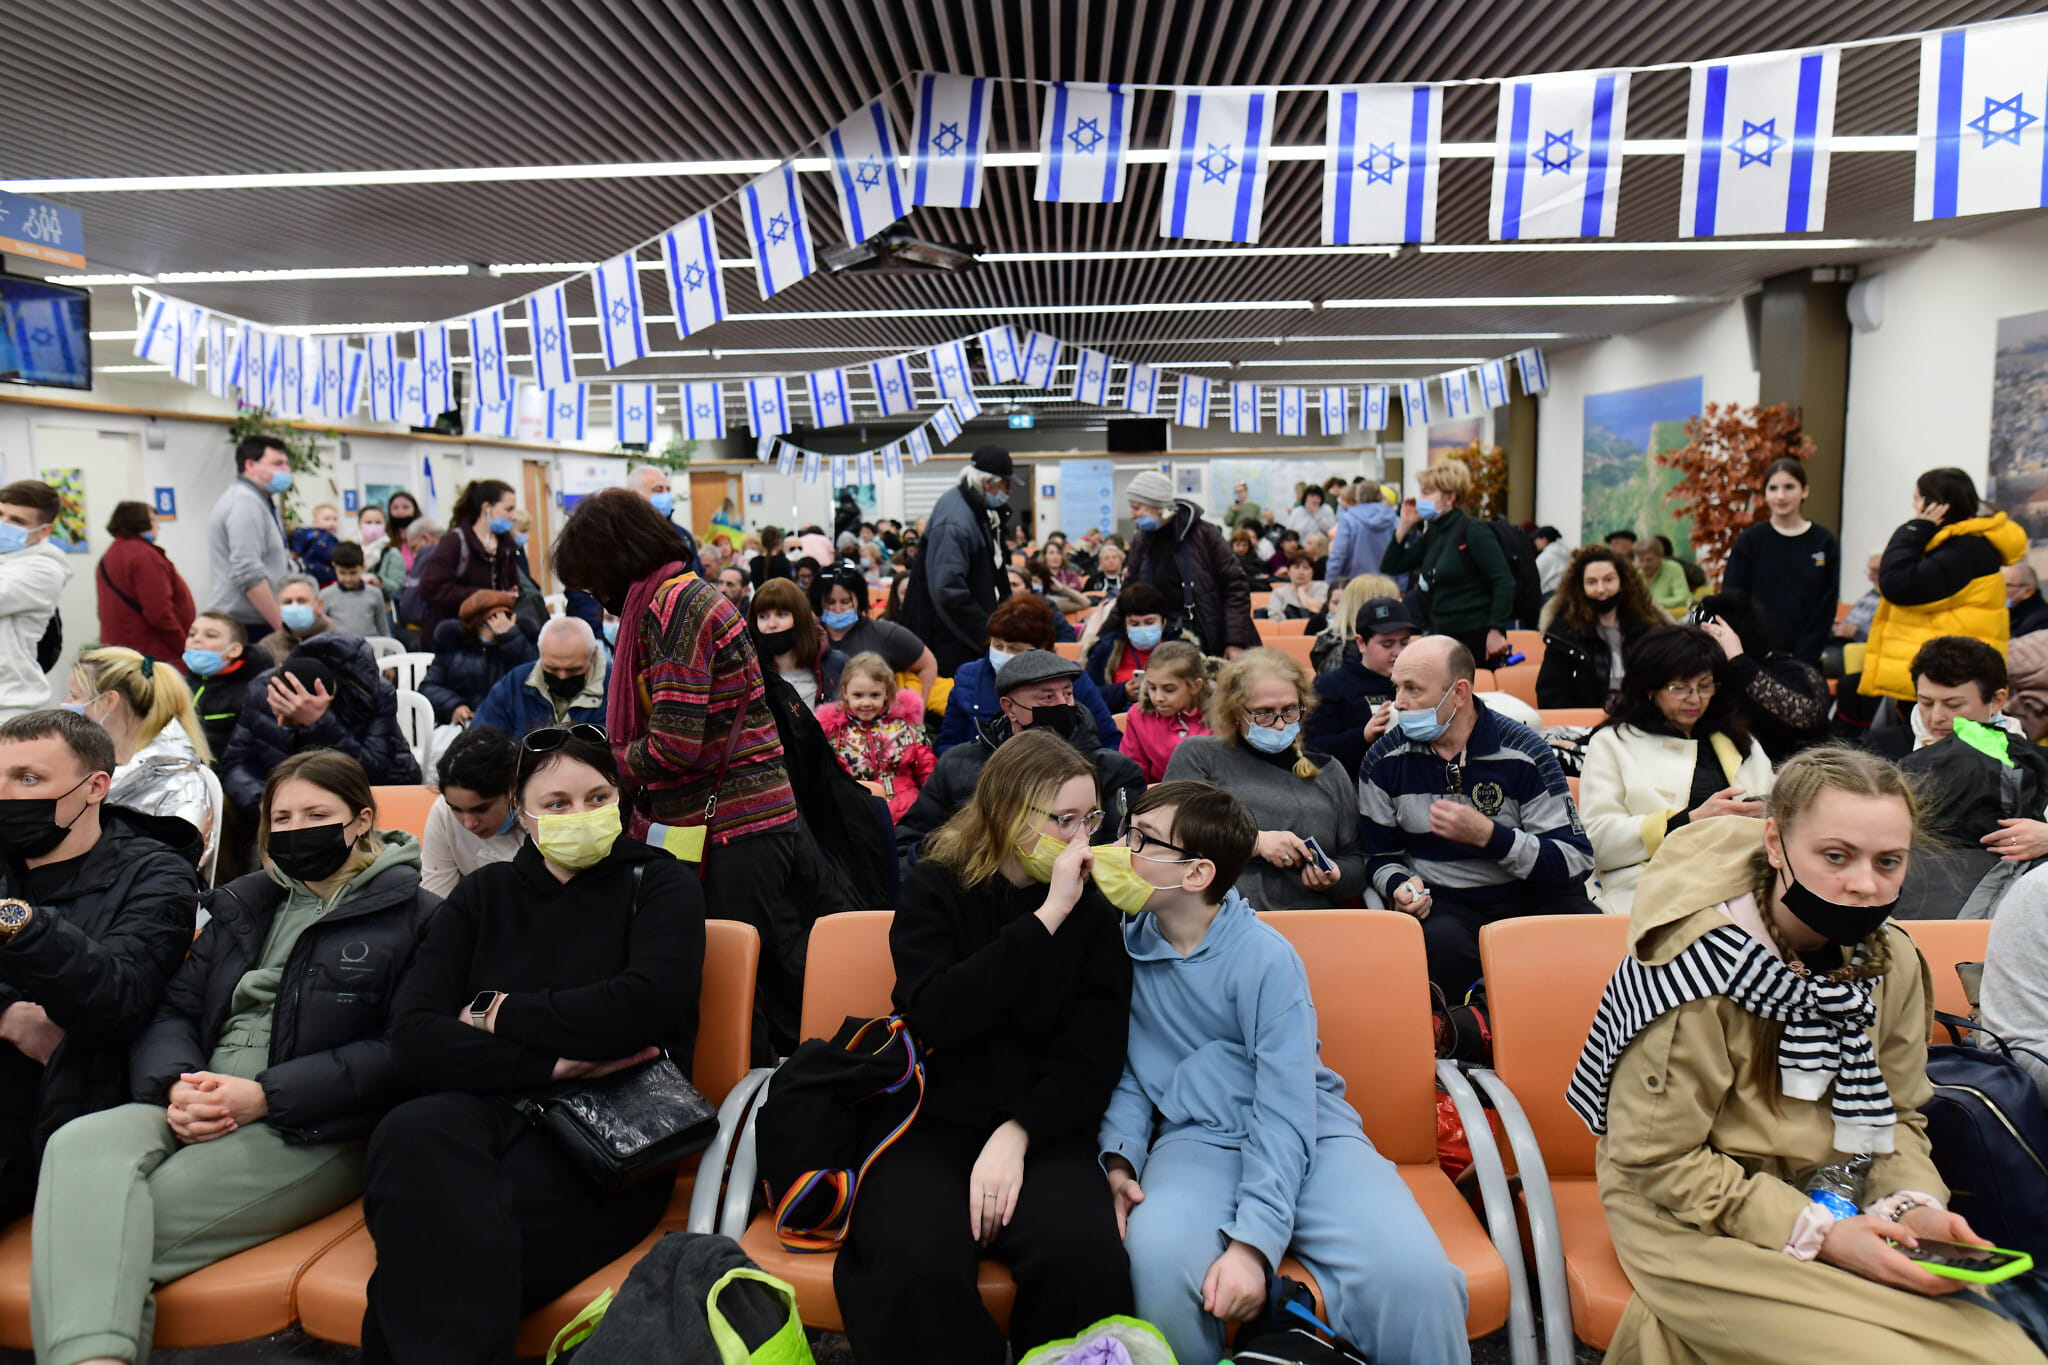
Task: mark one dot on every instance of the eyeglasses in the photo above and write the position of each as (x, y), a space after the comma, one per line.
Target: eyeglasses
(1286, 715)
(549, 738)
(1088, 822)
(1689, 691)
(1137, 841)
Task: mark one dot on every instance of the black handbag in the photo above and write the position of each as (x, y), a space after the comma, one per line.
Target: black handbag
(627, 1126)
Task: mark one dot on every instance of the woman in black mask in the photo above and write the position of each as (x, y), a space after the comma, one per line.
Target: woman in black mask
(1757, 1069)
(261, 1078)
(789, 640)
(1601, 607)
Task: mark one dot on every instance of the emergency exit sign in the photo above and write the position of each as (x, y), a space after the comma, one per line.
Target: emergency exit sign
(1020, 421)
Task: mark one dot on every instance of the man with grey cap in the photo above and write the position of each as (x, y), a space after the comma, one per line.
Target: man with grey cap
(1188, 560)
(1034, 689)
(957, 578)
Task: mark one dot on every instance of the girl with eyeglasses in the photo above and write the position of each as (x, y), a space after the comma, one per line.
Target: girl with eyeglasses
(1672, 750)
(1011, 970)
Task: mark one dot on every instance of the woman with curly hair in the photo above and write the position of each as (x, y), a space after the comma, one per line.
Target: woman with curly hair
(1600, 609)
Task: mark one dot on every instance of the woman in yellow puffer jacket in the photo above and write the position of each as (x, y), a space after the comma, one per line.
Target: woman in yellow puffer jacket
(1939, 576)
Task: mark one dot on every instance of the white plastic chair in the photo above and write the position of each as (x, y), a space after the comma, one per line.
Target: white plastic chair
(383, 646)
(558, 603)
(416, 722)
(217, 801)
(407, 668)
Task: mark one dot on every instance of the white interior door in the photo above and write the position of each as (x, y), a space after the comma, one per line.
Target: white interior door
(108, 467)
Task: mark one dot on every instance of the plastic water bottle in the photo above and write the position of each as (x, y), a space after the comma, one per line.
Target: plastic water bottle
(1838, 1186)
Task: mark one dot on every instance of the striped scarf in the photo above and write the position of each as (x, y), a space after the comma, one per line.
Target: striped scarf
(1826, 1037)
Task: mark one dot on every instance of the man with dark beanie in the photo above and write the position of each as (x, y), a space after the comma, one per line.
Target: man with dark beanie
(957, 578)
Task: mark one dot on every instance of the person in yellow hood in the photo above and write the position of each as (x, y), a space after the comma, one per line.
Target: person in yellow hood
(1942, 574)
(1767, 1022)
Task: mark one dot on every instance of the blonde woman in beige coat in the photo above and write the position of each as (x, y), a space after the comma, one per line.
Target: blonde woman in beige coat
(1711, 1131)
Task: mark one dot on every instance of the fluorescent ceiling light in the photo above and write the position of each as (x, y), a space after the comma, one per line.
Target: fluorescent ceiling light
(1691, 244)
(1378, 360)
(339, 272)
(1529, 301)
(88, 281)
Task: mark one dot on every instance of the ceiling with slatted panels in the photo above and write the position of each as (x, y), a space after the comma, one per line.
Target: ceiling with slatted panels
(167, 88)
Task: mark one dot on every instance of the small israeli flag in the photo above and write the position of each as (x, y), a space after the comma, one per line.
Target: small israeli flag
(254, 355)
(945, 424)
(1380, 167)
(892, 460)
(1557, 163)
(1756, 144)
(785, 458)
(383, 359)
(621, 323)
(949, 370)
(1141, 389)
(412, 394)
(695, 288)
(1535, 374)
(568, 412)
(633, 414)
(1293, 412)
(1983, 102)
(1216, 166)
(1082, 143)
(949, 142)
(1493, 383)
(1372, 408)
(919, 443)
(765, 448)
(493, 414)
(332, 379)
(437, 379)
(775, 225)
(840, 466)
(219, 352)
(191, 331)
(864, 467)
(1091, 377)
(352, 372)
(831, 405)
(1457, 394)
(1041, 357)
(811, 463)
(893, 392)
(156, 341)
(704, 412)
(863, 153)
(966, 407)
(1244, 408)
(768, 406)
(1193, 408)
(547, 331)
(295, 379)
(1336, 410)
(1415, 402)
(488, 368)
(999, 354)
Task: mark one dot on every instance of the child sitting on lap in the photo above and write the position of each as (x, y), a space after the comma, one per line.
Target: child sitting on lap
(874, 740)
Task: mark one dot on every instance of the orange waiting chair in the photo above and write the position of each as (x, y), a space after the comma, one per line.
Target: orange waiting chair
(1300, 648)
(1066, 649)
(1588, 716)
(1518, 681)
(1269, 630)
(404, 808)
(1544, 978)
(332, 1292)
(1528, 643)
(1945, 943)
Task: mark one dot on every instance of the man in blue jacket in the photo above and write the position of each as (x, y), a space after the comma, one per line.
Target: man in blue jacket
(566, 685)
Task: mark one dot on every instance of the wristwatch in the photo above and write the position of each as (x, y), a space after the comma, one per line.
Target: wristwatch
(479, 1008)
(14, 917)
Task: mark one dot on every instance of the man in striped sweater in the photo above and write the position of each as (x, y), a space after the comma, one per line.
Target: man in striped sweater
(1465, 816)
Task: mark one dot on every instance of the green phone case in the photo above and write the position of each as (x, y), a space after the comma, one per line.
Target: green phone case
(2020, 1266)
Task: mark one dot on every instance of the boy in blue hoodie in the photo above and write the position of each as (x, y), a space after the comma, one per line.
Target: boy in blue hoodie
(1241, 1135)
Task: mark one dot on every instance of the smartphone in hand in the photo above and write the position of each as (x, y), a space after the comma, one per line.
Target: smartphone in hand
(1321, 859)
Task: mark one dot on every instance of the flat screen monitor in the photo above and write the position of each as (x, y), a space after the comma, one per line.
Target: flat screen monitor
(45, 333)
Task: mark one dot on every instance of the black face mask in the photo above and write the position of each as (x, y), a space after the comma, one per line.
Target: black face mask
(1601, 603)
(28, 824)
(776, 643)
(311, 853)
(564, 688)
(1062, 718)
(1842, 925)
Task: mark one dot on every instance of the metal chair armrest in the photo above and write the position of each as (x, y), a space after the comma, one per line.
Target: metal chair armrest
(1552, 1291)
(1499, 1203)
(716, 1160)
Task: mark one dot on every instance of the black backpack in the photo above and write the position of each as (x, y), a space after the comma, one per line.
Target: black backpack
(1520, 553)
(1290, 1333)
(1989, 1136)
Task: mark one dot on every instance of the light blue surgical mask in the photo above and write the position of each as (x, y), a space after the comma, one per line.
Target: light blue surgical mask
(1271, 740)
(1426, 508)
(664, 503)
(12, 537)
(519, 539)
(996, 658)
(281, 481)
(998, 499)
(511, 821)
(204, 663)
(1422, 726)
(297, 615)
(611, 633)
(1146, 523)
(149, 536)
(1144, 639)
(501, 526)
(840, 620)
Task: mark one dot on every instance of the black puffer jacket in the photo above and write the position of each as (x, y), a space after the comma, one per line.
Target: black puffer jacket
(956, 580)
(1189, 561)
(465, 668)
(1576, 664)
(362, 723)
(330, 1075)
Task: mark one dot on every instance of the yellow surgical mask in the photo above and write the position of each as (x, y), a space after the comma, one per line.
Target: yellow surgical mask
(1118, 881)
(580, 840)
(1039, 857)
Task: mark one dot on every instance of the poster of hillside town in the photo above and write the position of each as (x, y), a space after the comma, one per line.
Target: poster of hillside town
(1624, 487)
(2019, 428)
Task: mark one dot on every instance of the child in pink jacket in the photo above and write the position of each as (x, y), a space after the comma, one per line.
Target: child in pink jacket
(1176, 690)
(875, 741)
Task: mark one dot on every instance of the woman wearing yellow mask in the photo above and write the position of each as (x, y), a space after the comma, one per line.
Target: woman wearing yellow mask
(580, 957)
(1011, 970)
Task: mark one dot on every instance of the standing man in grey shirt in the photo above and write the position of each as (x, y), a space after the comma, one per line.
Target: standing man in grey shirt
(245, 537)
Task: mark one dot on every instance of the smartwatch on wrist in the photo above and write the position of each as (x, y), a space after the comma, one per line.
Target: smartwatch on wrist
(480, 1008)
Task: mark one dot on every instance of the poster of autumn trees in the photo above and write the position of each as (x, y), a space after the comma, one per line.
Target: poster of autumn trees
(1624, 486)
(2019, 429)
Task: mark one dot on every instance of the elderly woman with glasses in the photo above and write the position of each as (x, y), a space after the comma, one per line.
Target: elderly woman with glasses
(1308, 855)
(1673, 750)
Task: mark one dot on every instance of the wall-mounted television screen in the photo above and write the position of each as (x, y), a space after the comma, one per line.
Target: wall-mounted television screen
(45, 334)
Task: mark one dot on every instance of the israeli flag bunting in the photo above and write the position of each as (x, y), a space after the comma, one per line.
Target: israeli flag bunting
(1457, 394)
(811, 463)
(785, 458)
(863, 152)
(351, 380)
(1415, 402)
(1983, 120)
(768, 406)
(410, 384)
(1041, 356)
(945, 425)
(765, 448)
(1193, 408)
(864, 467)
(254, 355)
(493, 414)
(892, 460)
(919, 443)
(1216, 166)
(1336, 412)
(1756, 144)
(488, 369)
(831, 405)
(633, 414)
(704, 412)
(293, 384)
(329, 394)
(1372, 408)
(383, 359)
(547, 331)
(157, 339)
(1293, 412)
(839, 471)
(621, 322)
(568, 412)
(1082, 143)
(1380, 166)
(1493, 383)
(949, 370)
(1244, 408)
(894, 394)
(1091, 377)
(1557, 159)
(430, 348)
(1535, 374)
(949, 142)
(1141, 390)
(1000, 356)
(220, 354)
(695, 288)
(191, 331)
(776, 227)
(966, 407)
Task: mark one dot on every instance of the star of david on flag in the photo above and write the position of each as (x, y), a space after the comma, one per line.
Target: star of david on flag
(1380, 164)
(1000, 356)
(1083, 140)
(1293, 412)
(892, 460)
(382, 353)
(704, 411)
(949, 140)
(893, 392)
(191, 331)
(1493, 383)
(1557, 159)
(864, 467)
(1041, 357)
(568, 412)
(411, 391)
(966, 407)
(863, 153)
(169, 336)
(811, 463)
(293, 384)
(492, 414)
(696, 290)
(489, 371)
(437, 379)
(327, 397)
(919, 444)
(1983, 120)
(1372, 408)
(1216, 166)
(1415, 402)
(254, 355)
(1192, 408)
(768, 406)
(1535, 374)
(839, 463)
(831, 405)
(1244, 408)
(1336, 412)
(1457, 394)
(945, 425)
(780, 237)
(547, 331)
(1141, 390)
(621, 323)
(785, 458)
(1756, 144)
(949, 370)
(220, 354)
(633, 414)
(1091, 376)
